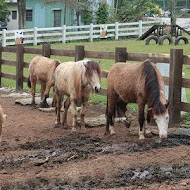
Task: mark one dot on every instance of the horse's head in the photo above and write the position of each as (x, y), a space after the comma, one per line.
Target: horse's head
(92, 73)
(162, 120)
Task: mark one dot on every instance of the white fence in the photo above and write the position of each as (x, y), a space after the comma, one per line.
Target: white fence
(69, 33)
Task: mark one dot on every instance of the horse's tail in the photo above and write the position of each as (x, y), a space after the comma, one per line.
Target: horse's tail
(29, 82)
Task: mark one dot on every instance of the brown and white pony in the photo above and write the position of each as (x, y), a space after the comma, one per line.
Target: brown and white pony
(141, 84)
(75, 80)
(2, 119)
(41, 69)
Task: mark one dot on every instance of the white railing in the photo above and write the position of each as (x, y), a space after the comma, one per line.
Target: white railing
(69, 33)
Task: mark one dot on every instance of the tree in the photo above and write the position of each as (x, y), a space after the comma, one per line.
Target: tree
(82, 7)
(21, 13)
(102, 14)
(134, 10)
(4, 11)
(86, 17)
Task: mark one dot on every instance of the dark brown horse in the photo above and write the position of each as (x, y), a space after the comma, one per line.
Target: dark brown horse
(41, 69)
(141, 84)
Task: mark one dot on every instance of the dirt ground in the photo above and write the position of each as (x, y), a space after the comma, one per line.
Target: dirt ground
(35, 155)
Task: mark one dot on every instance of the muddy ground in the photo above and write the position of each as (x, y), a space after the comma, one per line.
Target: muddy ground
(35, 155)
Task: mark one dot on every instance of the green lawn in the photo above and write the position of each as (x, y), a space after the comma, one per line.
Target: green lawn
(132, 45)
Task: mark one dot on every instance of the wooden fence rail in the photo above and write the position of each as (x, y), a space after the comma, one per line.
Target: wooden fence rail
(176, 59)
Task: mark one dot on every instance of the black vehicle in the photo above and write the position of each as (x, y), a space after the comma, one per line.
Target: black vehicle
(3, 25)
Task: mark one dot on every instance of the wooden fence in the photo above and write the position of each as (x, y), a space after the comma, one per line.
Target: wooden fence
(69, 33)
(176, 59)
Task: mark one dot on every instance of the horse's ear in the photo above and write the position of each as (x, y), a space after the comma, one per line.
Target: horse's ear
(84, 63)
(167, 105)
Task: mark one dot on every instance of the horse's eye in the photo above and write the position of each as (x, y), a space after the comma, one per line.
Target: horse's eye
(167, 118)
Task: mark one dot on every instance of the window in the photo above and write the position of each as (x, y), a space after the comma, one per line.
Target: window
(57, 18)
(28, 15)
(14, 15)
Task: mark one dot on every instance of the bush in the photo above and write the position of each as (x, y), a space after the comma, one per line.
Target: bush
(102, 14)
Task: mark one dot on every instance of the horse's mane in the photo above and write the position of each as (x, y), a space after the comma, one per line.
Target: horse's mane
(91, 66)
(152, 88)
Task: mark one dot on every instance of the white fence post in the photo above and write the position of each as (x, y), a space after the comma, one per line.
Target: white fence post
(116, 31)
(35, 42)
(91, 32)
(64, 34)
(4, 38)
(140, 28)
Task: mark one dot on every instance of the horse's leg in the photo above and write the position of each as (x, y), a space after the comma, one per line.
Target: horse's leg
(83, 111)
(67, 103)
(110, 112)
(74, 114)
(141, 120)
(54, 98)
(33, 91)
(44, 103)
(148, 130)
(122, 111)
(0, 134)
(43, 86)
(59, 98)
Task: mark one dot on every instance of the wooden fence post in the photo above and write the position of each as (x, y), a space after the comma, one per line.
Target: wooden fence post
(120, 54)
(175, 85)
(0, 62)
(46, 50)
(19, 67)
(79, 52)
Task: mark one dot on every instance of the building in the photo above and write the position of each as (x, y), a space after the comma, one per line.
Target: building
(13, 17)
(43, 16)
(40, 15)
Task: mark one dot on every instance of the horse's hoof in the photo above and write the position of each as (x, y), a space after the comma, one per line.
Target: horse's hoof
(66, 127)
(107, 133)
(127, 123)
(33, 105)
(83, 128)
(149, 135)
(141, 137)
(113, 134)
(44, 105)
(58, 125)
(73, 130)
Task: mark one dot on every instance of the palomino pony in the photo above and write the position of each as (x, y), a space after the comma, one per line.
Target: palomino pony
(76, 80)
(41, 69)
(141, 84)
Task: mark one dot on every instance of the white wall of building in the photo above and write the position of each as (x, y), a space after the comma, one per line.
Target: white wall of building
(13, 22)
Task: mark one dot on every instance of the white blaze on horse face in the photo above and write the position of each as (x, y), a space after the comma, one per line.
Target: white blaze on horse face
(95, 82)
(162, 123)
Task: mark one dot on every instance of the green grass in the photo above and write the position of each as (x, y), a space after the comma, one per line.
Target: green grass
(132, 45)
